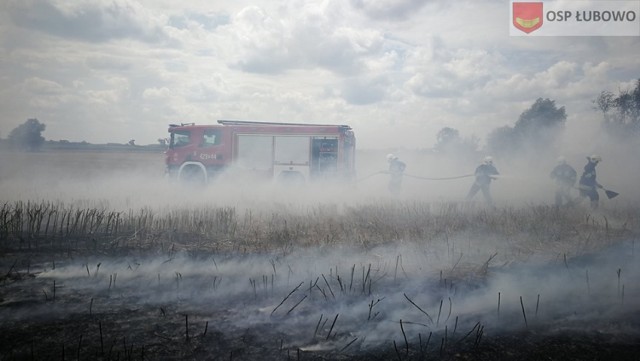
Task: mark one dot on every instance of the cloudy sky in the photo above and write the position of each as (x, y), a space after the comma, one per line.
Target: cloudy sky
(397, 71)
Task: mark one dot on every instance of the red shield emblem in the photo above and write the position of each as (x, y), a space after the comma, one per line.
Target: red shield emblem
(527, 16)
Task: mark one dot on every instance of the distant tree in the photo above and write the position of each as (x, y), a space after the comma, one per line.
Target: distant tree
(132, 142)
(542, 116)
(28, 135)
(536, 129)
(162, 141)
(446, 137)
(621, 112)
(448, 140)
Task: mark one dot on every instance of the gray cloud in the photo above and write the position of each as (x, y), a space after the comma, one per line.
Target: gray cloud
(89, 22)
(143, 63)
(207, 21)
(266, 43)
(389, 9)
(108, 63)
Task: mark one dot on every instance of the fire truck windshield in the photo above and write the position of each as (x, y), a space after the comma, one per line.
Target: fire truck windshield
(180, 138)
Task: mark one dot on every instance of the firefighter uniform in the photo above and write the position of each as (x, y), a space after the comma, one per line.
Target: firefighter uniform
(565, 178)
(484, 174)
(396, 169)
(588, 184)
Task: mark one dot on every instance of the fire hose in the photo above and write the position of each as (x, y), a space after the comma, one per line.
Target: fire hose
(440, 178)
(417, 177)
(610, 194)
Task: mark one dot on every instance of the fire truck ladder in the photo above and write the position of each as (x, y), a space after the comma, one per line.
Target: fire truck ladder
(252, 122)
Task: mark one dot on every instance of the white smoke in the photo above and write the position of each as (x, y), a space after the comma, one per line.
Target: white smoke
(370, 291)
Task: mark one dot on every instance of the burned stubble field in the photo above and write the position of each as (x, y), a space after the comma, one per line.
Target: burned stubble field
(101, 258)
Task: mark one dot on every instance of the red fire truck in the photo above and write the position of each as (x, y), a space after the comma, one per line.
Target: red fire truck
(280, 151)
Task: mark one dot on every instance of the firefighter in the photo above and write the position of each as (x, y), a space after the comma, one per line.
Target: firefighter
(396, 169)
(588, 184)
(484, 174)
(565, 178)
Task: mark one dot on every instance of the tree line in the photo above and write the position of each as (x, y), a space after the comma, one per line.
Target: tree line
(540, 127)
(537, 128)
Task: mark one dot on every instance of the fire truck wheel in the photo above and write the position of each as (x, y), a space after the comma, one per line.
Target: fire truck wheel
(192, 175)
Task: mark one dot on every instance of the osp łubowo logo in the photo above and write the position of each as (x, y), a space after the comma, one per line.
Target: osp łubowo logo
(527, 16)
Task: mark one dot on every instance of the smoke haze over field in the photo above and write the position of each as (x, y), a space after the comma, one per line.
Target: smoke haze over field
(125, 181)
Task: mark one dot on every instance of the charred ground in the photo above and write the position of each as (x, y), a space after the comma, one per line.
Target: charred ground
(115, 324)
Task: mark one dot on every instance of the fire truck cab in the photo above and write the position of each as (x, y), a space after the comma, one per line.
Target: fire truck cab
(260, 150)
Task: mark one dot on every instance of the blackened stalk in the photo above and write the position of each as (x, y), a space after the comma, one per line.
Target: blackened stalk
(318, 325)
(523, 313)
(296, 305)
(418, 307)
(406, 343)
(290, 293)
(186, 326)
(349, 344)
(101, 340)
(332, 324)
(325, 281)
(395, 347)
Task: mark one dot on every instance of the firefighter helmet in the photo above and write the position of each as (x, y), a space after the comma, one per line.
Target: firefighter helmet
(488, 160)
(391, 157)
(595, 158)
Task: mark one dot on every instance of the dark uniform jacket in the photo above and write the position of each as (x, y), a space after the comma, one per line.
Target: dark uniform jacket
(564, 174)
(588, 177)
(396, 167)
(484, 172)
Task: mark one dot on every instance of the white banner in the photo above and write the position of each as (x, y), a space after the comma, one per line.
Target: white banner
(574, 18)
